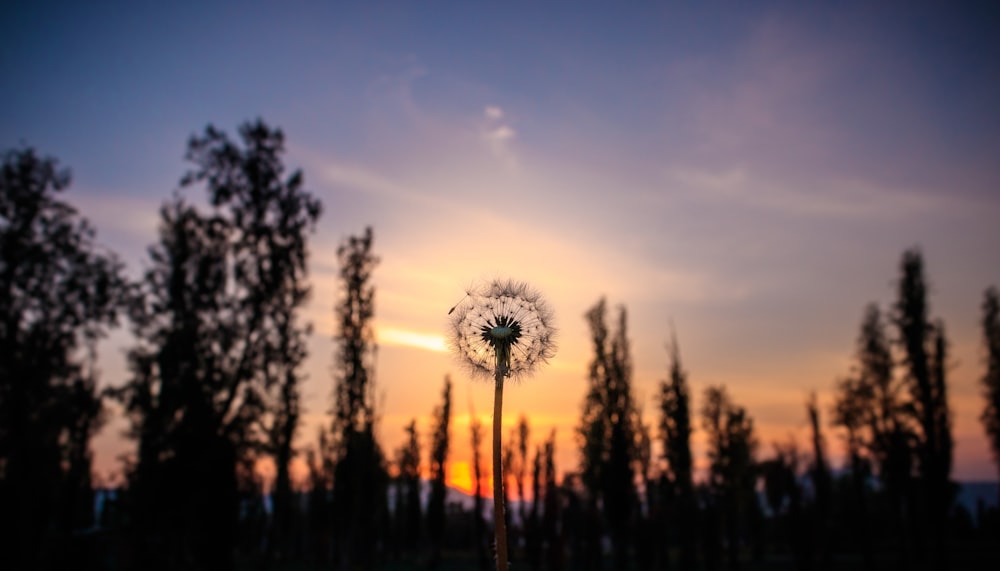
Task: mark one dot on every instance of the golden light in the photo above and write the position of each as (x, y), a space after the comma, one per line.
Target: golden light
(402, 337)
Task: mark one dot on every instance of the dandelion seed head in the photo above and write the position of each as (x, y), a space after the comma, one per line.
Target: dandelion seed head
(502, 324)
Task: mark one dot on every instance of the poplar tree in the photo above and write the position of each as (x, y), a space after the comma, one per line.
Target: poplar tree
(675, 433)
(991, 379)
(215, 372)
(438, 473)
(360, 478)
(924, 348)
(608, 429)
(732, 472)
(59, 291)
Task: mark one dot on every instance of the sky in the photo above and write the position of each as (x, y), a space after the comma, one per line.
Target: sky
(747, 175)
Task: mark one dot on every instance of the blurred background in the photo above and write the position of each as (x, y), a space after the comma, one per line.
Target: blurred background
(232, 232)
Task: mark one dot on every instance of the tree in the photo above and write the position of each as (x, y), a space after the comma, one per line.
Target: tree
(732, 475)
(479, 524)
(784, 498)
(58, 294)
(819, 473)
(215, 370)
(924, 349)
(438, 460)
(991, 380)
(552, 507)
(521, 435)
(608, 429)
(675, 433)
(408, 513)
(871, 406)
(360, 478)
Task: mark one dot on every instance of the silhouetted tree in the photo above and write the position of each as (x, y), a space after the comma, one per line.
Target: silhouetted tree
(479, 524)
(215, 372)
(551, 535)
(438, 461)
(360, 478)
(608, 429)
(732, 474)
(675, 432)
(519, 468)
(784, 498)
(819, 473)
(646, 535)
(408, 512)
(58, 292)
(871, 405)
(532, 524)
(991, 380)
(507, 472)
(850, 412)
(924, 349)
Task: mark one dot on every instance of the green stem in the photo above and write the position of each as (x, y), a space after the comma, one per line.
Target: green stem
(498, 507)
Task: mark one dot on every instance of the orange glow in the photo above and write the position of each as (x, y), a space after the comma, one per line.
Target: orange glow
(460, 477)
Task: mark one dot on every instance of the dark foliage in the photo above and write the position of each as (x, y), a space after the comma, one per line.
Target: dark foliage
(408, 514)
(677, 489)
(58, 292)
(608, 431)
(924, 349)
(438, 460)
(214, 388)
(215, 373)
(480, 538)
(732, 472)
(991, 379)
(360, 479)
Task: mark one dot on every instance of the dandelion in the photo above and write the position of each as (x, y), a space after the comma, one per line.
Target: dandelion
(503, 330)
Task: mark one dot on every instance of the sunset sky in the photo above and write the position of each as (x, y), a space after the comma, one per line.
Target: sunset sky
(750, 173)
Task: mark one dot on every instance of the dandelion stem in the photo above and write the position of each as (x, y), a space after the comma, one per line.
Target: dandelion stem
(498, 507)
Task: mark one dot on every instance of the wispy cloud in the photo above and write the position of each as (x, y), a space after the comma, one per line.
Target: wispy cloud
(844, 198)
(499, 135)
(388, 335)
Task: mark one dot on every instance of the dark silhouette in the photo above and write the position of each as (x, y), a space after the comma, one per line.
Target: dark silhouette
(732, 476)
(675, 432)
(58, 293)
(219, 346)
(480, 537)
(438, 460)
(851, 413)
(925, 358)
(553, 502)
(408, 513)
(991, 380)
(784, 499)
(822, 483)
(360, 478)
(644, 536)
(609, 431)
(532, 524)
(519, 468)
(872, 402)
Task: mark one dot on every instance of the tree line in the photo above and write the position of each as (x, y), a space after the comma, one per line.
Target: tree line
(213, 386)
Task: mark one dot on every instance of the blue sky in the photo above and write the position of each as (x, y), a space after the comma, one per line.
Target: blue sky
(750, 173)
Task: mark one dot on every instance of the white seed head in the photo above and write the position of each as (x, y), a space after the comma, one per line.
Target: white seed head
(502, 324)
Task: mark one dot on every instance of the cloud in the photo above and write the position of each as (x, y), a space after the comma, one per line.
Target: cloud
(843, 198)
(493, 113)
(499, 135)
(405, 338)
